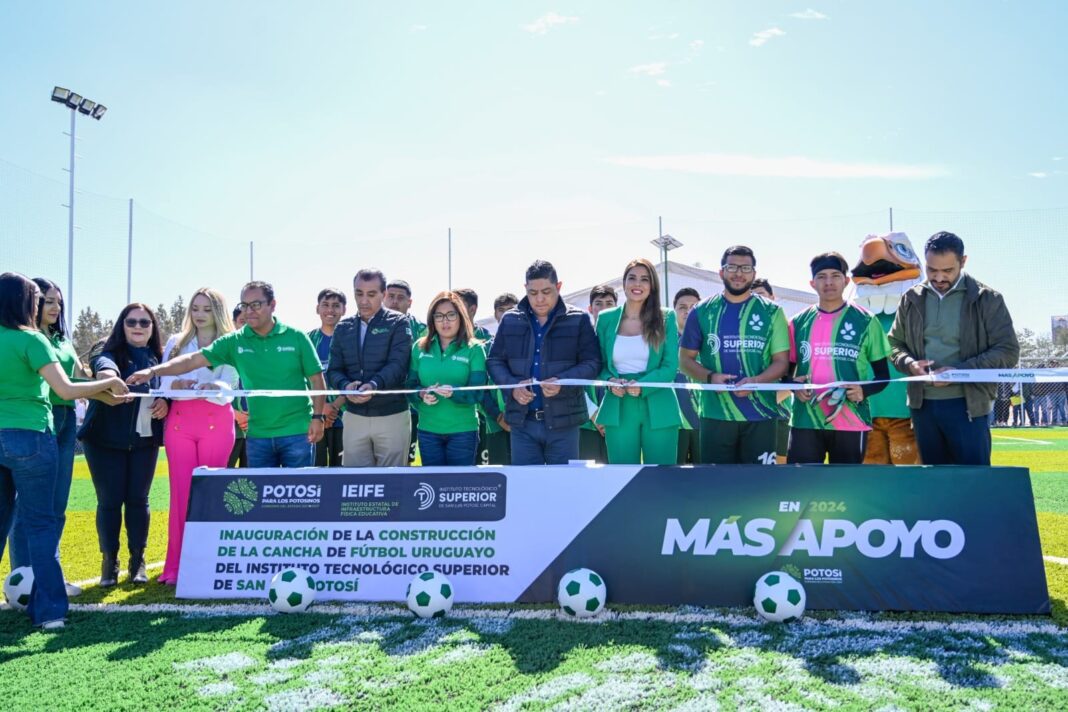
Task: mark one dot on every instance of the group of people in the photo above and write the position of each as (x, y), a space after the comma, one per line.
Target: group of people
(1031, 404)
(739, 337)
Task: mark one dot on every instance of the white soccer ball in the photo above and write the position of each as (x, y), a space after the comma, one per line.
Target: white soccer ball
(18, 586)
(429, 595)
(581, 593)
(779, 597)
(291, 591)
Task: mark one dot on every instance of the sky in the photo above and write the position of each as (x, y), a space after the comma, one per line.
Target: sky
(340, 135)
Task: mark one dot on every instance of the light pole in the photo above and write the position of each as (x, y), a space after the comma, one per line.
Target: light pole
(76, 103)
(666, 243)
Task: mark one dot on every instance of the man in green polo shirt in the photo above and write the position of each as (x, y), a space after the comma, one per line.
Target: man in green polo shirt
(268, 355)
(736, 338)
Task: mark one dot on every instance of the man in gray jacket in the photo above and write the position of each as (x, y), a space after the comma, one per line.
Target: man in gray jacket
(951, 321)
(370, 352)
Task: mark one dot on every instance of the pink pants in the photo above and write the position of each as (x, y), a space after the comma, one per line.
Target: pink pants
(198, 434)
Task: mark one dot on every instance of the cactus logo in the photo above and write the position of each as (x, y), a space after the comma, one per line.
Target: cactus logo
(756, 323)
(848, 333)
(240, 496)
(425, 494)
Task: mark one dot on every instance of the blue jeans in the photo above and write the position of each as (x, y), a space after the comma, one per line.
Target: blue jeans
(946, 435)
(1059, 408)
(65, 426)
(534, 444)
(28, 469)
(452, 449)
(286, 451)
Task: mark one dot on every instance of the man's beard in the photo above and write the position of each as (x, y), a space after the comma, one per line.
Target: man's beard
(737, 292)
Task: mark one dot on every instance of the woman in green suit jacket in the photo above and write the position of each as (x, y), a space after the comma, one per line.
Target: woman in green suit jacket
(639, 344)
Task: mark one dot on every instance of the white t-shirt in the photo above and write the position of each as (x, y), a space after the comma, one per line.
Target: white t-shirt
(222, 376)
(630, 354)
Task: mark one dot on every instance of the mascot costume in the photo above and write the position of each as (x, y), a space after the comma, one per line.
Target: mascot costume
(888, 267)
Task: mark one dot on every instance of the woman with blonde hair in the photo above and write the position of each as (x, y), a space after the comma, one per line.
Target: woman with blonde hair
(639, 344)
(199, 431)
(448, 356)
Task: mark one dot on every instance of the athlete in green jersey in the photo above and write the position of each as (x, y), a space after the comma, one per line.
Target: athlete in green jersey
(736, 338)
(834, 341)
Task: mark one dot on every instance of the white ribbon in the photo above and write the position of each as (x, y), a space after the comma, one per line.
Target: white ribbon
(975, 375)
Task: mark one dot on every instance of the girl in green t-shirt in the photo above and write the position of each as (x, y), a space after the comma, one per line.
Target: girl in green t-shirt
(447, 356)
(29, 366)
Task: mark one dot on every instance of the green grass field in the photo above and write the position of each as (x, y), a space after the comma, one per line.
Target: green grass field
(136, 647)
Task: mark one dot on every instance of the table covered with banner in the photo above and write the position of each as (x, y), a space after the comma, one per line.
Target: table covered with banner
(954, 539)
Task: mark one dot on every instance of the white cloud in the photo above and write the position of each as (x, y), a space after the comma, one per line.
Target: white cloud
(1039, 174)
(547, 21)
(1058, 158)
(417, 28)
(653, 69)
(760, 38)
(663, 82)
(697, 45)
(783, 167)
(808, 14)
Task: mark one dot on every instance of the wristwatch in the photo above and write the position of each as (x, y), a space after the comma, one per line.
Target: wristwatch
(708, 377)
(318, 416)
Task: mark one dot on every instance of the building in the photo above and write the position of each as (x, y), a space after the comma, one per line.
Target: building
(706, 282)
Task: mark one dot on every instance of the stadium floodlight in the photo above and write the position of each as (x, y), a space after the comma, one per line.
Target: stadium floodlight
(666, 243)
(77, 104)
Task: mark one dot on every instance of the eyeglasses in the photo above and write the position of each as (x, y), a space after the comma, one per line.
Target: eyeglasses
(735, 269)
(251, 306)
(447, 316)
(143, 323)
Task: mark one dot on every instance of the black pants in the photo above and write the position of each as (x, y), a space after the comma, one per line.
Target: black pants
(498, 448)
(238, 457)
(689, 451)
(414, 435)
(328, 450)
(838, 447)
(122, 479)
(731, 442)
(592, 446)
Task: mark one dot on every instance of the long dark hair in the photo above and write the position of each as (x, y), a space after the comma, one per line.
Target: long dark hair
(653, 329)
(116, 344)
(466, 331)
(60, 327)
(18, 298)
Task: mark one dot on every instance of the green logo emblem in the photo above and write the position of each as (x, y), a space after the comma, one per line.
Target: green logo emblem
(240, 496)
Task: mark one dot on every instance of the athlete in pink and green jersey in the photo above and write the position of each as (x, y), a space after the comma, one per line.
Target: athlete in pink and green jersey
(736, 338)
(834, 341)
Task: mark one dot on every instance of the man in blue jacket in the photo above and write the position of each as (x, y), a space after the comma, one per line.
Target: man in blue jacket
(545, 340)
(370, 352)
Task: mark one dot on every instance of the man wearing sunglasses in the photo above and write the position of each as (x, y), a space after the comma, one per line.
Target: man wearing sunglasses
(268, 355)
(736, 338)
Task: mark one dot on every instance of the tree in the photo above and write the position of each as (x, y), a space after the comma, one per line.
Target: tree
(89, 328)
(1038, 348)
(170, 320)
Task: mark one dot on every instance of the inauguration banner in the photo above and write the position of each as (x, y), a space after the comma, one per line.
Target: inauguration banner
(953, 539)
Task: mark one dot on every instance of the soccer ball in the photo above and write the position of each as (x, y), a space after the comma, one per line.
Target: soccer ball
(17, 587)
(292, 591)
(581, 593)
(429, 595)
(779, 597)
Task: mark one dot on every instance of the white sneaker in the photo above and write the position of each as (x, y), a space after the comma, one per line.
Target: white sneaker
(73, 590)
(54, 625)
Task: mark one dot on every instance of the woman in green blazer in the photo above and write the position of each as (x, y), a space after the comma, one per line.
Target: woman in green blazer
(639, 344)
